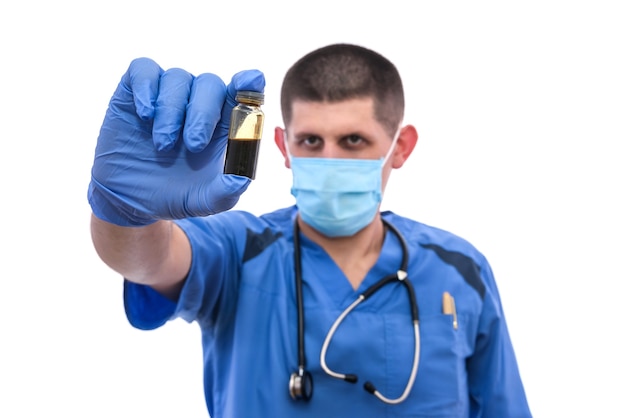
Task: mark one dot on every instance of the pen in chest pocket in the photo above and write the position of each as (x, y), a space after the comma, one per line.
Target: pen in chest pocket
(449, 308)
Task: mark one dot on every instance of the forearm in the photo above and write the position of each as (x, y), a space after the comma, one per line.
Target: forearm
(158, 255)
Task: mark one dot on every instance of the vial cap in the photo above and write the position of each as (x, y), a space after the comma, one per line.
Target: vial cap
(250, 96)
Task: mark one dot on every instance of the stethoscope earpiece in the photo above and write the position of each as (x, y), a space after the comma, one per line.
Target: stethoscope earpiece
(301, 385)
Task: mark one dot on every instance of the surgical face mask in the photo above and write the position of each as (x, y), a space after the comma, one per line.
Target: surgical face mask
(338, 196)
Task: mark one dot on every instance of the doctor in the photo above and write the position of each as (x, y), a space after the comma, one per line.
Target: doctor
(329, 308)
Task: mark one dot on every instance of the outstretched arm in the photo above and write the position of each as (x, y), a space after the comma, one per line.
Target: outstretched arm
(157, 255)
(160, 157)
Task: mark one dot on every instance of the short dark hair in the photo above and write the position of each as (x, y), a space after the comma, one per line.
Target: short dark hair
(343, 71)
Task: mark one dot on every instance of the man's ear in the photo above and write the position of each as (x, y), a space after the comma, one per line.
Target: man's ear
(407, 140)
(279, 139)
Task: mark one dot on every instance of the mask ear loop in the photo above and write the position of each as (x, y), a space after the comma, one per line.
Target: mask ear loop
(394, 141)
(289, 156)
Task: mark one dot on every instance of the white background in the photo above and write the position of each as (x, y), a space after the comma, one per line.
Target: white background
(520, 107)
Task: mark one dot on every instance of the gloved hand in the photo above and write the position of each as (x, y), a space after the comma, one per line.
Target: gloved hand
(160, 152)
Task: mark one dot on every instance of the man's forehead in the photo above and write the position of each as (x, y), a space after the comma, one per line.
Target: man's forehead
(334, 119)
(366, 102)
(357, 110)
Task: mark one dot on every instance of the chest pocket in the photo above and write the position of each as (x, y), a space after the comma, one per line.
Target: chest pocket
(441, 385)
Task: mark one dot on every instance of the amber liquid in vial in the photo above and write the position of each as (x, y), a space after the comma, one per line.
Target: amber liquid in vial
(244, 139)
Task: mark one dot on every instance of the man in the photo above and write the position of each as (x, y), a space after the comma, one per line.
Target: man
(290, 305)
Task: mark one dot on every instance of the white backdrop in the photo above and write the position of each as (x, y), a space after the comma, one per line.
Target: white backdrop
(520, 109)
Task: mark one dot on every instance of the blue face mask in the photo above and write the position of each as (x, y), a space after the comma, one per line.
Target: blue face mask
(338, 196)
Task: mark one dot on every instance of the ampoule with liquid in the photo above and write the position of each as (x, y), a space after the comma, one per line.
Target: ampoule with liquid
(244, 135)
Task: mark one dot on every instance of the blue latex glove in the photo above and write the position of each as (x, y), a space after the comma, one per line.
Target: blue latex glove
(160, 152)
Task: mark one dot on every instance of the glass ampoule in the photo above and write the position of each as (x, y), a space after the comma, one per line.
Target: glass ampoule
(244, 135)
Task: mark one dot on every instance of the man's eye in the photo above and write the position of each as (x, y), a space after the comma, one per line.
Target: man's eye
(311, 141)
(353, 140)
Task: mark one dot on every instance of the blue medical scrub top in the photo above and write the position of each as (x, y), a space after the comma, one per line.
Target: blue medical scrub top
(241, 292)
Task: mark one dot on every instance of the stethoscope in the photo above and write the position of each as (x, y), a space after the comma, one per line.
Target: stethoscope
(301, 381)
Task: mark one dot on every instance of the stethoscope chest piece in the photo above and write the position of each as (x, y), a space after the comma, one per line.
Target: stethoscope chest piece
(301, 385)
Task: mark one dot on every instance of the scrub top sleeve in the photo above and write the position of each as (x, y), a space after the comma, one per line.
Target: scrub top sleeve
(214, 258)
(146, 308)
(495, 385)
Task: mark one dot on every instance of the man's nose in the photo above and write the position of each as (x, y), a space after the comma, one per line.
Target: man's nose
(332, 150)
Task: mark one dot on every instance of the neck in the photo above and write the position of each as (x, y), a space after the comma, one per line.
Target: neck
(355, 255)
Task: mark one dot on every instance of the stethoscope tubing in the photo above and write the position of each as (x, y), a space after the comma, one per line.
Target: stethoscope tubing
(299, 298)
(296, 390)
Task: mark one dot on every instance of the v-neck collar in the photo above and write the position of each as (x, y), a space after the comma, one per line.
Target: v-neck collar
(323, 276)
